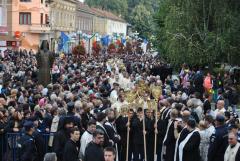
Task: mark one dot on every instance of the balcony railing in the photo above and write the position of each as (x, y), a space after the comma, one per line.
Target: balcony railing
(40, 28)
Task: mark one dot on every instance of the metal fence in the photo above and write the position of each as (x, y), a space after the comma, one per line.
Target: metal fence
(10, 149)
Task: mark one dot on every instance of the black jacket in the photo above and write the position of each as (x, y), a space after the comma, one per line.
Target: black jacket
(59, 141)
(39, 140)
(169, 143)
(28, 150)
(206, 106)
(106, 136)
(191, 148)
(218, 144)
(93, 152)
(137, 127)
(112, 132)
(71, 151)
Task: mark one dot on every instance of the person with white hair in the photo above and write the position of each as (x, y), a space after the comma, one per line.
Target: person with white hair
(50, 157)
(220, 108)
(233, 150)
(53, 97)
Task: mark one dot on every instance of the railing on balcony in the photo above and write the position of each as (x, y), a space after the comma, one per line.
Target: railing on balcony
(40, 28)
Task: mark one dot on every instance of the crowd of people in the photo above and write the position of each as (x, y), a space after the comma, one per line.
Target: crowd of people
(87, 114)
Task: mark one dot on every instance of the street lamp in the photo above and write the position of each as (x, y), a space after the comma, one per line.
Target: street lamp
(79, 37)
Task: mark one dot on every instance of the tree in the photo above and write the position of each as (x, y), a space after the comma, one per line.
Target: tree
(119, 7)
(141, 19)
(111, 48)
(129, 48)
(79, 52)
(121, 49)
(199, 32)
(132, 11)
(96, 49)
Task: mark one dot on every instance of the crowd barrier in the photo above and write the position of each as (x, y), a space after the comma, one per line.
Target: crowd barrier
(10, 147)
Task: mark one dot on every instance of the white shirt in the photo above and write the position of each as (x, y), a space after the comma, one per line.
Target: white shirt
(118, 105)
(85, 139)
(217, 111)
(113, 96)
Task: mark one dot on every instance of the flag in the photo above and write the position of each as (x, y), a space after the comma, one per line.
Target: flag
(63, 41)
(64, 38)
(105, 40)
(123, 40)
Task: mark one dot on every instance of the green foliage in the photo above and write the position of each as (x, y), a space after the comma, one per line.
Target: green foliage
(119, 7)
(139, 13)
(198, 32)
(142, 20)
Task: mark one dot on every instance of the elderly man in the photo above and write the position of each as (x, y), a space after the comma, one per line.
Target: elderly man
(220, 107)
(233, 151)
(218, 141)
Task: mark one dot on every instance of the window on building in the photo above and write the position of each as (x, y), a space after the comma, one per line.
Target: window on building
(46, 19)
(25, 0)
(41, 18)
(24, 18)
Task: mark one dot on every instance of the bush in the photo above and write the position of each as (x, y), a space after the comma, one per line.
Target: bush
(129, 48)
(96, 48)
(111, 48)
(79, 52)
(121, 49)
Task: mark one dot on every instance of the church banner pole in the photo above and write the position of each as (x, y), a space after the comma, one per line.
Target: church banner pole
(128, 131)
(155, 141)
(144, 137)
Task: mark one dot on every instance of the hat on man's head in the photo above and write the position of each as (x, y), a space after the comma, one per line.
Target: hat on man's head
(191, 122)
(220, 118)
(28, 125)
(70, 106)
(33, 118)
(68, 120)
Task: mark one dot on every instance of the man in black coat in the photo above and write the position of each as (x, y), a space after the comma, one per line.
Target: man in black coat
(137, 126)
(94, 150)
(39, 140)
(198, 82)
(61, 137)
(149, 122)
(161, 128)
(187, 145)
(71, 149)
(110, 127)
(122, 125)
(101, 119)
(71, 113)
(28, 150)
(169, 138)
(206, 103)
(218, 141)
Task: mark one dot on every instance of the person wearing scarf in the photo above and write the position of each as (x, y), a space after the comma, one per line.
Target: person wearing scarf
(187, 145)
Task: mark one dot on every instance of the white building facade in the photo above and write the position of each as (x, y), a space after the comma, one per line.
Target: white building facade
(116, 27)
